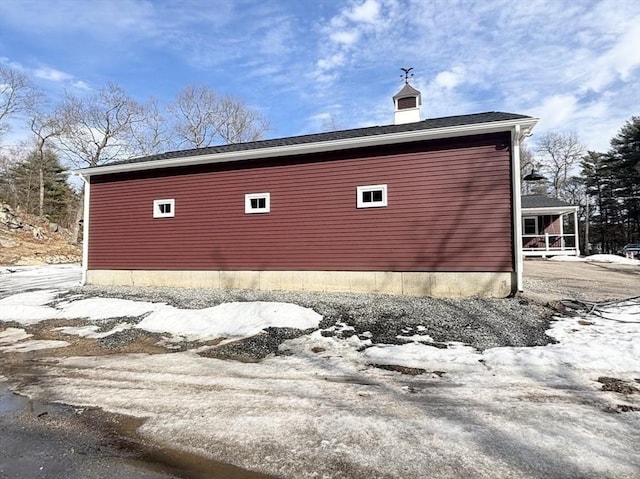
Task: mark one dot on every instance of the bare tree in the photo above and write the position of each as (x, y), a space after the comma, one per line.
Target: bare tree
(46, 127)
(202, 118)
(17, 94)
(558, 153)
(238, 123)
(96, 129)
(150, 133)
(194, 113)
(330, 122)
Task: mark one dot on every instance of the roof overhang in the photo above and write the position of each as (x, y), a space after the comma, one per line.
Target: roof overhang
(526, 125)
(549, 210)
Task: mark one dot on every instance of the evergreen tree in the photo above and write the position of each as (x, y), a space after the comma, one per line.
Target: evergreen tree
(23, 181)
(612, 180)
(624, 159)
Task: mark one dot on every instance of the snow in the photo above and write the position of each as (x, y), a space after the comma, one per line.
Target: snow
(229, 319)
(599, 258)
(28, 308)
(13, 335)
(224, 320)
(609, 342)
(322, 409)
(567, 258)
(15, 279)
(13, 340)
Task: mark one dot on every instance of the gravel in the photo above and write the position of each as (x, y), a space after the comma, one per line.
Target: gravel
(479, 322)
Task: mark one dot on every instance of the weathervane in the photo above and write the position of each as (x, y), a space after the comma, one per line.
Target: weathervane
(406, 74)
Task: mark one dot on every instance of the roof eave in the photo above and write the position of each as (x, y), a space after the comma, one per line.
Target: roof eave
(549, 210)
(526, 124)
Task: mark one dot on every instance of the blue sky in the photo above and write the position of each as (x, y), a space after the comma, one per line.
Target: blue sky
(574, 64)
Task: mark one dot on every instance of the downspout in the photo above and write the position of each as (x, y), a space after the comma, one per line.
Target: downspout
(85, 229)
(517, 206)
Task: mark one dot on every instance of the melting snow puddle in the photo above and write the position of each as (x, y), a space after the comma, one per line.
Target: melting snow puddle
(19, 416)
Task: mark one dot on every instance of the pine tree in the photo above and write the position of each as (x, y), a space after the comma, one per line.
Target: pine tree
(23, 180)
(624, 159)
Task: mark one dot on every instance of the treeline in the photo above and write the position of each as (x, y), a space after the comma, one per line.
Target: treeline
(606, 187)
(99, 127)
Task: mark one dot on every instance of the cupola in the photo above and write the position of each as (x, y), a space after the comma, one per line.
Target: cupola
(407, 102)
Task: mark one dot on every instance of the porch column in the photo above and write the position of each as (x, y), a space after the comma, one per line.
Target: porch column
(575, 229)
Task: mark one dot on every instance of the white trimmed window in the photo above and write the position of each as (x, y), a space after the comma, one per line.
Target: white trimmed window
(164, 208)
(257, 203)
(372, 196)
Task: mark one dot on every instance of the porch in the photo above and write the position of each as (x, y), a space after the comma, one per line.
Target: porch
(543, 227)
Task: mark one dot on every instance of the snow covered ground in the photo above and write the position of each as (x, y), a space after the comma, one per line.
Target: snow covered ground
(16, 279)
(599, 258)
(321, 409)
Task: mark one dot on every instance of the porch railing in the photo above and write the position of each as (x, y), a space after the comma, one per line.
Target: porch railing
(549, 243)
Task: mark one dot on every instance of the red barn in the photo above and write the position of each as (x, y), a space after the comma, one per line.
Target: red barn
(426, 207)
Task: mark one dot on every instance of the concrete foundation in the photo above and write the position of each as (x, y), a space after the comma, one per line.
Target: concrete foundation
(437, 284)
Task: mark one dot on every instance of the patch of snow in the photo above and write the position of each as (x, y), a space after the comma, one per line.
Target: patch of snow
(28, 308)
(90, 331)
(416, 338)
(416, 355)
(611, 258)
(567, 258)
(229, 319)
(96, 309)
(224, 320)
(13, 335)
(22, 278)
(33, 345)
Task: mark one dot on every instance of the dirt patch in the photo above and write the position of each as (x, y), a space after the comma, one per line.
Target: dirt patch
(547, 281)
(617, 385)
(30, 240)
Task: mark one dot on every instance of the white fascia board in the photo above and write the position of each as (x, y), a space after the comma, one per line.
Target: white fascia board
(526, 124)
(549, 210)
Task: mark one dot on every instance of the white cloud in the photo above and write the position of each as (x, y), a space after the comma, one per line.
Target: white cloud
(367, 12)
(617, 62)
(81, 85)
(331, 62)
(556, 111)
(51, 74)
(345, 37)
(451, 78)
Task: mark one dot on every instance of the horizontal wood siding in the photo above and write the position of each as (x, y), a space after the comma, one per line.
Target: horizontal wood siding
(449, 209)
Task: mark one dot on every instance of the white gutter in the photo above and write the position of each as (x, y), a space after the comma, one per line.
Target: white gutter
(517, 212)
(316, 147)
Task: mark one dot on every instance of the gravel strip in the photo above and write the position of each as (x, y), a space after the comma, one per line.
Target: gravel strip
(479, 322)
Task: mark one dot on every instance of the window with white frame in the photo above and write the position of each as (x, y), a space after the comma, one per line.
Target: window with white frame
(257, 203)
(164, 208)
(372, 196)
(530, 225)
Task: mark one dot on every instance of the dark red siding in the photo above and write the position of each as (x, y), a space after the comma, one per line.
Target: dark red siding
(449, 209)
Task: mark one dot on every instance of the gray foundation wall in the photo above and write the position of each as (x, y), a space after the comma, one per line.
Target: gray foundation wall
(464, 284)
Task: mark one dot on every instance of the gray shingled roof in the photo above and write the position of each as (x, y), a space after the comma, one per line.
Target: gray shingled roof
(407, 90)
(540, 201)
(430, 123)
